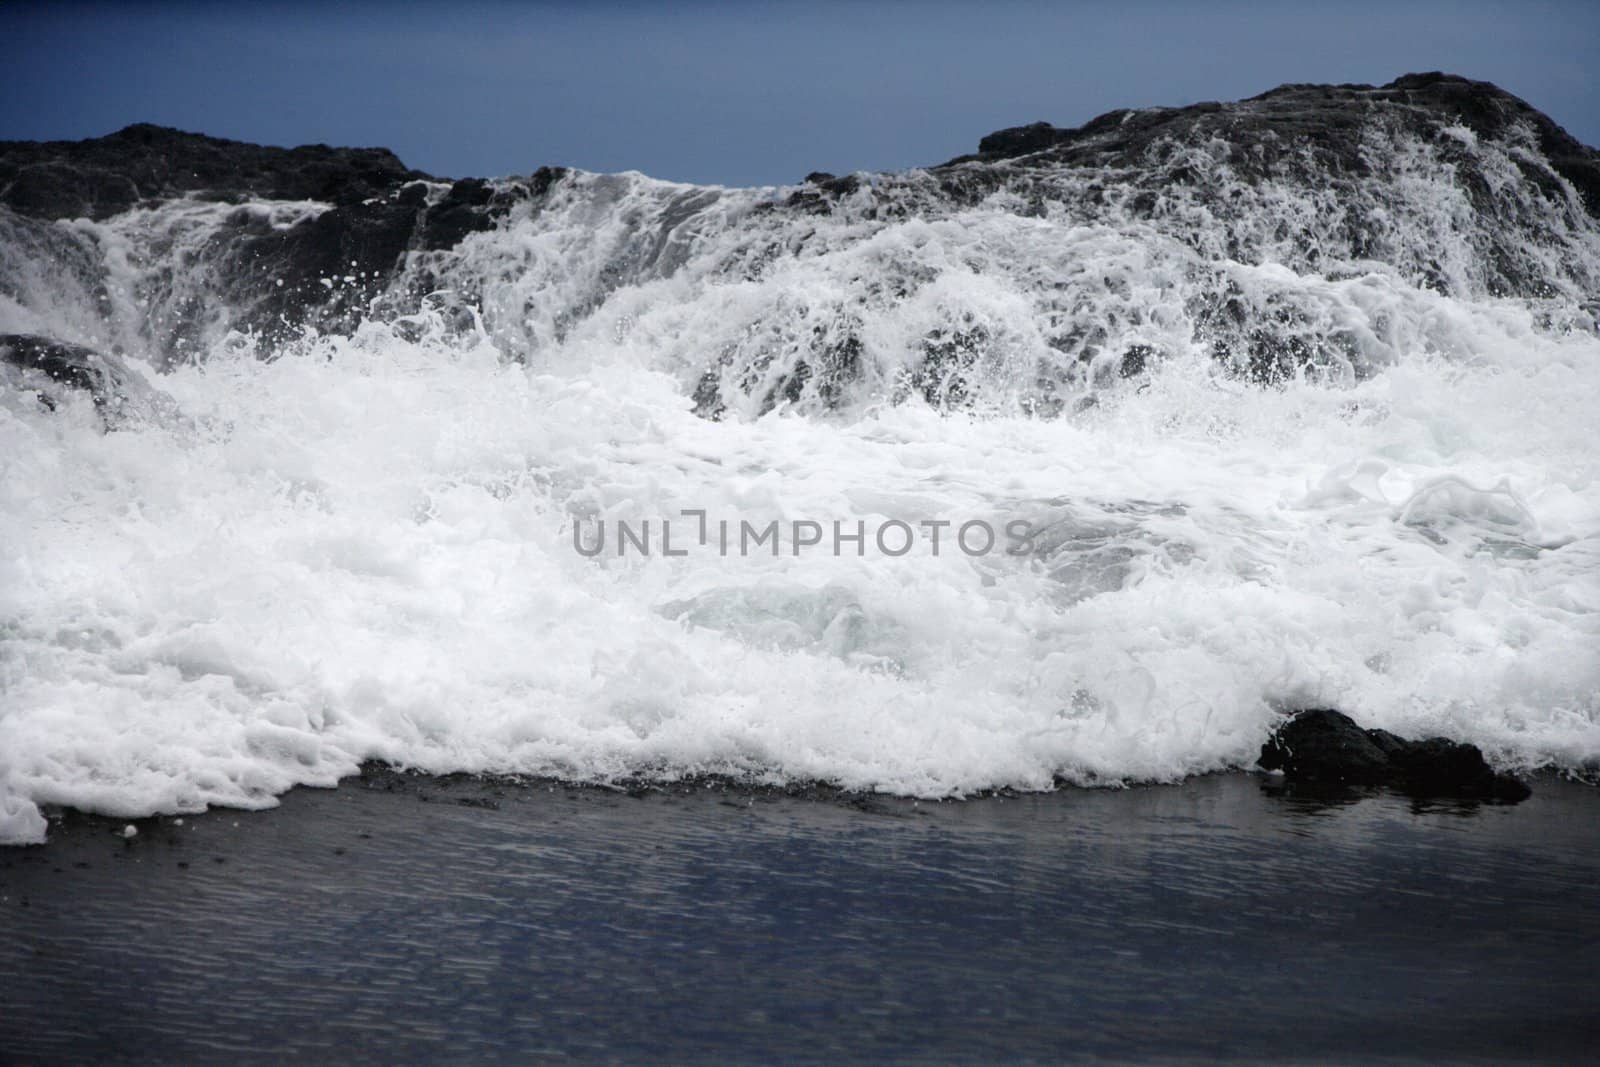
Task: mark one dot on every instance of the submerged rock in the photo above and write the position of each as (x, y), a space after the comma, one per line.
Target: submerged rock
(1325, 746)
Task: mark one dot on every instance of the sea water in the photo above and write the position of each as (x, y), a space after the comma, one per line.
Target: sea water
(350, 548)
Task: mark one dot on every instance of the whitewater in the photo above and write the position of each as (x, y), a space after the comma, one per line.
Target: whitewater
(300, 554)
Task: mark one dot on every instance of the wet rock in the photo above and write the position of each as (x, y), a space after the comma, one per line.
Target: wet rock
(50, 190)
(1324, 745)
(1327, 747)
(324, 271)
(1024, 140)
(1269, 130)
(1437, 767)
(49, 367)
(71, 365)
(821, 189)
(384, 244)
(99, 177)
(454, 217)
(1313, 137)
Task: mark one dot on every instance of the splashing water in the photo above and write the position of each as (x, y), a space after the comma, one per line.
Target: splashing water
(362, 547)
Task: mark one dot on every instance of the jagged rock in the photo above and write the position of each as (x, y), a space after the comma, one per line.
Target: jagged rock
(1024, 140)
(1268, 130)
(1437, 767)
(1329, 182)
(324, 271)
(47, 367)
(1313, 137)
(1325, 746)
(453, 217)
(819, 189)
(99, 177)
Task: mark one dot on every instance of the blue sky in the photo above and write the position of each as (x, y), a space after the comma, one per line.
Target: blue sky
(749, 93)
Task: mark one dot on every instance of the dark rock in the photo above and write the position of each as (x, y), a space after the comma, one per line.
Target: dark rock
(1490, 111)
(1135, 360)
(822, 188)
(1213, 176)
(1437, 767)
(55, 190)
(1268, 129)
(1389, 743)
(458, 214)
(1324, 745)
(414, 194)
(1312, 136)
(1023, 140)
(1222, 163)
(1327, 747)
(328, 270)
(325, 271)
(66, 364)
(543, 180)
(105, 175)
(48, 366)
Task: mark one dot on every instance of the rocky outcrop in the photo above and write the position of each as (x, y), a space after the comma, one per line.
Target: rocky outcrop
(1356, 148)
(100, 177)
(1448, 184)
(322, 271)
(48, 367)
(1326, 747)
(1242, 230)
(327, 270)
(1300, 126)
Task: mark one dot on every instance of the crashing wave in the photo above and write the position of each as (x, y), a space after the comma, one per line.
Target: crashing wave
(1295, 392)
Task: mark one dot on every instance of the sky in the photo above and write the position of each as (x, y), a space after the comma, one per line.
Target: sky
(734, 94)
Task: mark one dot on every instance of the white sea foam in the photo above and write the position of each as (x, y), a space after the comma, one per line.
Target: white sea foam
(362, 549)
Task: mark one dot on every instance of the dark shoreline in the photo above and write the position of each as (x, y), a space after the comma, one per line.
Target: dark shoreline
(488, 790)
(420, 917)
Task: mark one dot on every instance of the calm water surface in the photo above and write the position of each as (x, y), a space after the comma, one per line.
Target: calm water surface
(427, 919)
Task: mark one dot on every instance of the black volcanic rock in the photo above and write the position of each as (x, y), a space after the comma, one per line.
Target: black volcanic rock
(47, 366)
(1327, 120)
(281, 279)
(819, 189)
(323, 271)
(1432, 181)
(71, 365)
(453, 217)
(1025, 140)
(100, 177)
(1317, 138)
(1490, 111)
(333, 266)
(1327, 747)
(55, 189)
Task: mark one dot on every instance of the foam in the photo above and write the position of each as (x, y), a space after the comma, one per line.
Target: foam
(362, 549)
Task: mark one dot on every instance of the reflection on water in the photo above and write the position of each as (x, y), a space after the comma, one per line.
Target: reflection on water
(448, 919)
(1312, 797)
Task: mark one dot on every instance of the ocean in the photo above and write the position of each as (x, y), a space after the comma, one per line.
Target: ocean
(1038, 474)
